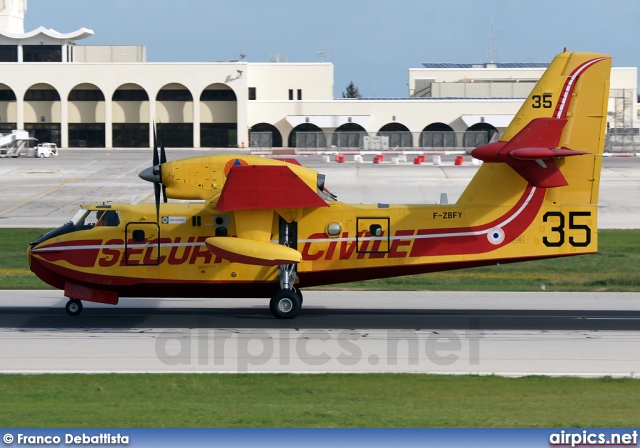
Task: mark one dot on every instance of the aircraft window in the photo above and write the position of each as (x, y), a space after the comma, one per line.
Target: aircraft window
(91, 218)
(334, 229)
(109, 218)
(84, 219)
(78, 215)
(375, 230)
(221, 231)
(138, 236)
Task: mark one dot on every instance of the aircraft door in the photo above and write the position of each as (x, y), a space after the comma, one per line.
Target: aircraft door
(373, 236)
(142, 244)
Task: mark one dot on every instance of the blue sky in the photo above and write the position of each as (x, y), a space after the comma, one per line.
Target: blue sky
(371, 42)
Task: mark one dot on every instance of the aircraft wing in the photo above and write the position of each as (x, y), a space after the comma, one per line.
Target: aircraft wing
(255, 187)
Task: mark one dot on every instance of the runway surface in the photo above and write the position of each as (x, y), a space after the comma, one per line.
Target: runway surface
(584, 334)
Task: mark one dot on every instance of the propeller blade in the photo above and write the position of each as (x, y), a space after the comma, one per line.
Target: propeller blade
(156, 160)
(163, 155)
(163, 159)
(156, 191)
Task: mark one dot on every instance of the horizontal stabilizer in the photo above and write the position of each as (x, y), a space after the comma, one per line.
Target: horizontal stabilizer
(543, 153)
(531, 152)
(261, 253)
(256, 187)
(539, 133)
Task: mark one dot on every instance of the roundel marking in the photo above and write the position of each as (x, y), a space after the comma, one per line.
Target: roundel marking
(496, 235)
(231, 163)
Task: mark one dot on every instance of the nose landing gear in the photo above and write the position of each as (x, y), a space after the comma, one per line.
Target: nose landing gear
(73, 307)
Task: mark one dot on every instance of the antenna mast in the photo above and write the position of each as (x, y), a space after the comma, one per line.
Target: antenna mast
(493, 48)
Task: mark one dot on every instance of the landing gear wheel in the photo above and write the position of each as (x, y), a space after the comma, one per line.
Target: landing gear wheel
(299, 294)
(285, 304)
(73, 307)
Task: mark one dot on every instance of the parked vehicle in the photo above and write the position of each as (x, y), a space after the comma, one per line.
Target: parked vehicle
(46, 150)
(16, 144)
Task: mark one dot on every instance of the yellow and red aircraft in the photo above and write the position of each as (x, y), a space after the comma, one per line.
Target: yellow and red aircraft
(269, 227)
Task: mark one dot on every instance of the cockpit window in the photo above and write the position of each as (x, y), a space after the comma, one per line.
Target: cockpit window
(90, 218)
(82, 220)
(86, 218)
(108, 218)
(78, 215)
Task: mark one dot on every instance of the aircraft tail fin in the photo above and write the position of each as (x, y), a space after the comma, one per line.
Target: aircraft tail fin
(556, 139)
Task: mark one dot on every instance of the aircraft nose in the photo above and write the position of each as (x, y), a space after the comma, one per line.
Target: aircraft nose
(150, 175)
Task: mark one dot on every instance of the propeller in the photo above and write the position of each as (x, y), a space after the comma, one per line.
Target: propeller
(154, 173)
(163, 159)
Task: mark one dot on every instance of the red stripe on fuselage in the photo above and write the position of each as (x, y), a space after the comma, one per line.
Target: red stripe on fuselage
(83, 258)
(475, 240)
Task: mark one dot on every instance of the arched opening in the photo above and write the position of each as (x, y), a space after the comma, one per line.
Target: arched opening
(349, 135)
(398, 134)
(479, 134)
(86, 117)
(307, 135)
(130, 128)
(8, 110)
(174, 109)
(265, 135)
(218, 117)
(438, 135)
(42, 113)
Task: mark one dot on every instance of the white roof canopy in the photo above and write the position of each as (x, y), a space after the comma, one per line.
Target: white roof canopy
(50, 34)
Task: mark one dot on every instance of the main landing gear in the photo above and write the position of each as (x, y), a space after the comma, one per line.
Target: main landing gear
(73, 307)
(287, 302)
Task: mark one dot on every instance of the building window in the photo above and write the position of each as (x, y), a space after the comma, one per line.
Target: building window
(86, 95)
(130, 95)
(41, 95)
(252, 93)
(174, 95)
(42, 53)
(218, 95)
(7, 95)
(8, 53)
(219, 135)
(87, 135)
(130, 135)
(299, 94)
(290, 94)
(44, 132)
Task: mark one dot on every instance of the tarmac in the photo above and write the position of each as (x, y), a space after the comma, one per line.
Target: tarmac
(485, 333)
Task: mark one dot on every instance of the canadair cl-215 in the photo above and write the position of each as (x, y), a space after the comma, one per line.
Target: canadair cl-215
(258, 227)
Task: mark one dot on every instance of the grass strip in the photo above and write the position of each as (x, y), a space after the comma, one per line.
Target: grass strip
(303, 401)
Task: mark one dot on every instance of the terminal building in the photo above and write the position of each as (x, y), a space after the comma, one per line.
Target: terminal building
(110, 97)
